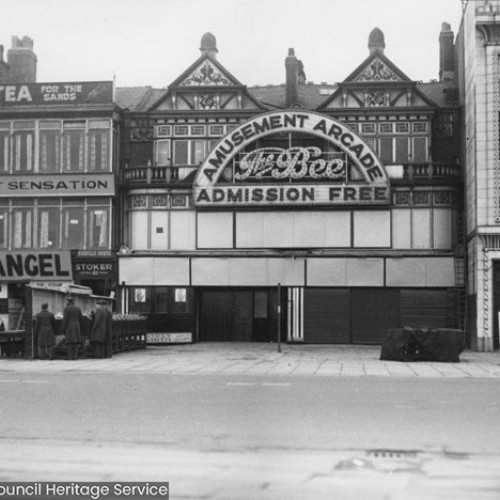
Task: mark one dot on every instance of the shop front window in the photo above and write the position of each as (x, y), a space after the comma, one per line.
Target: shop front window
(181, 300)
(161, 299)
(140, 300)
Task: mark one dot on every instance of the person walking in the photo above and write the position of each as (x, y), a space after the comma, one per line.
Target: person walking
(71, 328)
(45, 323)
(98, 334)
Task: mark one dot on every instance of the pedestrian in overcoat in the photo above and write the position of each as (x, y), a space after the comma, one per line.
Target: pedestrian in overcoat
(98, 334)
(109, 330)
(71, 328)
(45, 323)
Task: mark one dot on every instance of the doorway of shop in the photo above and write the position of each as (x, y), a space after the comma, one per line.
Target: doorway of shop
(240, 315)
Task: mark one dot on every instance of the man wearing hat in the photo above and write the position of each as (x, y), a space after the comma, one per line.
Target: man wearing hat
(45, 323)
(71, 328)
(98, 334)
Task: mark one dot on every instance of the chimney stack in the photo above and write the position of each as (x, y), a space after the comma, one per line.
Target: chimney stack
(446, 53)
(292, 65)
(22, 61)
(4, 67)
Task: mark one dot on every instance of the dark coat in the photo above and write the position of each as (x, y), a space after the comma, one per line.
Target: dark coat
(71, 325)
(100, 326)
(45, 324)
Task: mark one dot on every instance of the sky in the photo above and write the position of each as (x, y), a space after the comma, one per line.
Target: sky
(152, 42)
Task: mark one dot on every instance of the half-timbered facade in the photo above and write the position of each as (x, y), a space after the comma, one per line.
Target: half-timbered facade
(327, 212)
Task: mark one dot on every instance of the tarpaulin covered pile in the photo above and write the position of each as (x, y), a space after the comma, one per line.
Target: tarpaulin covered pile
(423, 344)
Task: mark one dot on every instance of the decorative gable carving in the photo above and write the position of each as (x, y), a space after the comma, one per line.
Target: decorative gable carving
(206, 74)
(377, 71)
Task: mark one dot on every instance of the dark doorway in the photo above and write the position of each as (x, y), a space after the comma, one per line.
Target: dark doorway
(248, 315)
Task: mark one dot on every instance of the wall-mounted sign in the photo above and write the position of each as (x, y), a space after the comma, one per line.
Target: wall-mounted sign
(223, 196)
(90, 184)
(95, 269)
(292, 163)
(346, 171)
(56, 93)
(36, 265)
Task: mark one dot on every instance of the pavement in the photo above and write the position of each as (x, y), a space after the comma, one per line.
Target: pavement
(266, 474)
(233, 358)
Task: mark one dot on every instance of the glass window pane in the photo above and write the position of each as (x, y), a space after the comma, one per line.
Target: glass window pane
(420, 149)
(163, 152)
(197, 152)
(73, 235)
(73, 150)
(22, 228)
(23, 151)
(139, 300)
(4, 151)
(402, 150)
(386, 150)
(50, 151)
(182, 300)
(260, 304)
(4, 228)
(161, 299)
(99, 150)
(97, 228)
(181, 152)
(48, 227)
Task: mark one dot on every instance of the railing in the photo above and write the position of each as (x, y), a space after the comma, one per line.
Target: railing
(431, 171)
(144, 175)
(154, 175)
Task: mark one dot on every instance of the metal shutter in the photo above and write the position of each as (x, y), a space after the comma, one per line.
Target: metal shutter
(326, 316)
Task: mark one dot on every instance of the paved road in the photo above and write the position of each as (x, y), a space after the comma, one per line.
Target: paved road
(230, 436)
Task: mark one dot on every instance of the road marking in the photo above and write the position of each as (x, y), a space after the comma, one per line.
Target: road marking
(266, 384)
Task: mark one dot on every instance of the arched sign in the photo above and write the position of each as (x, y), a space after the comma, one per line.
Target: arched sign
(285, 169)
